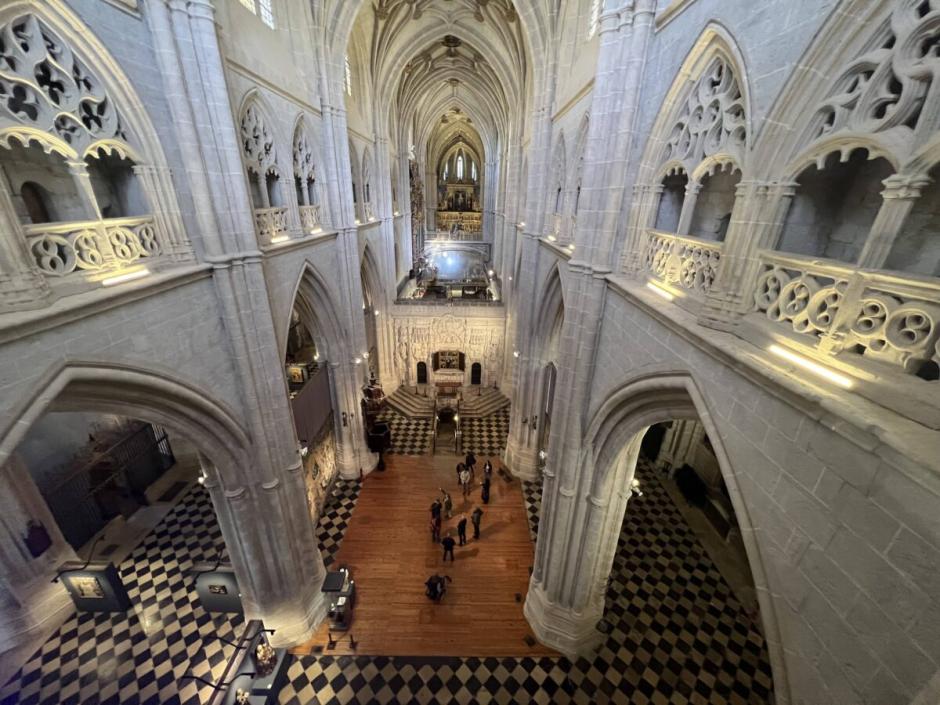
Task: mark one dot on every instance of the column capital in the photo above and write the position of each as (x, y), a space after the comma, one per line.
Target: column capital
(904, 186)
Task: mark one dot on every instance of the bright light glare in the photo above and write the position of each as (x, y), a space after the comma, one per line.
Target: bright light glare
(279, 238)
(652, 286)
(121, 278)
(811, 366)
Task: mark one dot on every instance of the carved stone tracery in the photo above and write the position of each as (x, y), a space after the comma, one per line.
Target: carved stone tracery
(44, 85)
(257, 141)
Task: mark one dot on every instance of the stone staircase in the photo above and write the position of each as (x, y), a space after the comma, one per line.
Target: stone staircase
(488, 402)
(415, 406)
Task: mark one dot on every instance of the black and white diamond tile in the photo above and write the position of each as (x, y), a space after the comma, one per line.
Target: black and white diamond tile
(409, 436)
(486, 435)
(139, 656)
(334, 519)
(532, 496)
(676, 635)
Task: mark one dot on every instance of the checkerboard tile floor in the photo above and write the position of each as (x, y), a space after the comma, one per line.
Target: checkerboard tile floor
(334, 519)
(409, 436)
(675, 636)
(532, 495)
(139, 656)
(487, 435)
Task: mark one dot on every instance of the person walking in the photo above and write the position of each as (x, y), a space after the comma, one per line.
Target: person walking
(435, 509)
(436, 528)
(465, 482)
(487, 469)
(462, 530)
(447, 502)
(460, 466)
(485, 492)
(470, 460)
(448, 543)
(475, 518)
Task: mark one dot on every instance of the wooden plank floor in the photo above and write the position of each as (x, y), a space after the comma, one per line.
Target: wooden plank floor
(388, 547)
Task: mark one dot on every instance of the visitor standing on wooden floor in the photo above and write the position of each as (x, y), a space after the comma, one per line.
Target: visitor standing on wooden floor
(448, 503)
(462, 530)
(485, 493)
(435, 509)
(436, 528)
(471, 461)
(448, 543)
(465, 482)
(460, 467)
(475, 518)
(487, 469)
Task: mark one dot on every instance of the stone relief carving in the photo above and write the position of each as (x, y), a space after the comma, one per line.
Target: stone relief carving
(450, 331)
(885, 87)
(303, 155)
(257, 140)
(712, 119)
(44, 85)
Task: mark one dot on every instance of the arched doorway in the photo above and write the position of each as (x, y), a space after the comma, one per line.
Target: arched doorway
(476, 373)
(422, 373)
(585, 572)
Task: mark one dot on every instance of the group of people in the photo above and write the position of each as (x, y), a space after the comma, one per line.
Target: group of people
(443, 506)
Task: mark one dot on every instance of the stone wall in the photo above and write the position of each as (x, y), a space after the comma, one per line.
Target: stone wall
(320, 469)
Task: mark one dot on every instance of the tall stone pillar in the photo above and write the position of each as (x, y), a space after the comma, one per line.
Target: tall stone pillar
(692, 190)
(900, 195)
(574, 534)
(28, 597)
(22, 285)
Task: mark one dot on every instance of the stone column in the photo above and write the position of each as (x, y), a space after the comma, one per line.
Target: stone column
(900, 195)
(692, 190)
(86, 192)
(167, 219)
(28, 597)
(22, 285)
(760, 208)
(563, 613)
(642, 215)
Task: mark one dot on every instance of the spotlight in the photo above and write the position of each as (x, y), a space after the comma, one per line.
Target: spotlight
(491, 273)
(659, 291)
(515, 353)
(812, 367)
(357, 361)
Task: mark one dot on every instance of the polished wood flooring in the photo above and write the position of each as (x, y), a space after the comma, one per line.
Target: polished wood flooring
(389, 550)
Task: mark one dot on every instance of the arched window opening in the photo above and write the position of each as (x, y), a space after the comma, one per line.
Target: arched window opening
(917, 248)
(714, 203)
(355, 193)
(446, 170)
(301, 190)
(256, 190)
(52, 194)
(833, 209)
(577, 199)
(473, 171)
(558, 200)
(422, 372)
(348, 76)
(272, 182)
(460, 168)
(116, 187)
(670, 202)
(312, 198)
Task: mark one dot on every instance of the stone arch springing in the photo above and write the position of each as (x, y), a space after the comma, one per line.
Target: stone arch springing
(356, 176)
(574, 189)
(613, 440)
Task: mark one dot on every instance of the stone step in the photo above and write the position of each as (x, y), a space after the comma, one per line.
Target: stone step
(412, 405)
(486, 403)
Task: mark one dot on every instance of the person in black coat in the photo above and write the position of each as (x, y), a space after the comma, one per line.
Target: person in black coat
(475, 517)
(462, 530)
(448, 543)
(470, 461)
(485, 493)
(435, 509)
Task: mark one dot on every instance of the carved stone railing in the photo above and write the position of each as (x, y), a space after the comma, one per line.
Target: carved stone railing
(271, 224)
(685, 262)
(61, 249)
(310, 218)
(838, 309)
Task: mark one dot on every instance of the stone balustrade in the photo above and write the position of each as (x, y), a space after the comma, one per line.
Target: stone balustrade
(310, 219)
(368, 211)
(271, 224)
(685, 262)
(97, 246)
(883, 316)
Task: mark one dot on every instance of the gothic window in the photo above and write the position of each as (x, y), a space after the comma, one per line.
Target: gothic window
(670, 201)
(473, 171)
(304, 172)
(446, 170)
(714, 203)
(594, 19)
(711, 119)
(460, 168)
(260, 157)
(267, 12)
(42, 188)
(34, 200)
(117, 191)
(348, 76)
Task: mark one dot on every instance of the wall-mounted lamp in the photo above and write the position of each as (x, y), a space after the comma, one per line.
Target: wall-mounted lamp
(635, 488)
(812, 367)
(376, 313)
(121, 278)
(491, 273)
(304, 449)
(542, 455)
(659, 291)
(365, 355)
(357, 361)
(515, 353)
(552, 238)
(316, 356)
